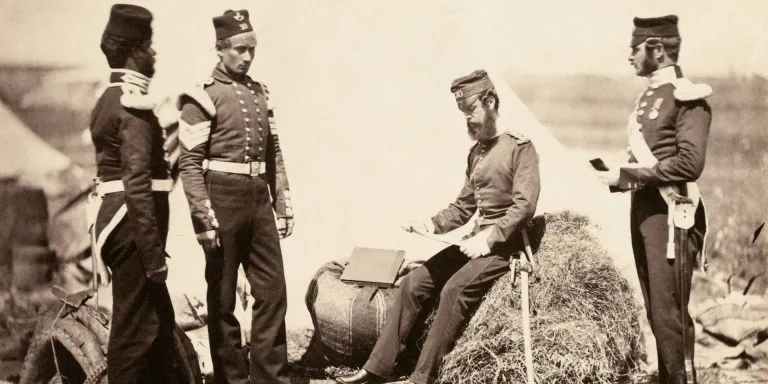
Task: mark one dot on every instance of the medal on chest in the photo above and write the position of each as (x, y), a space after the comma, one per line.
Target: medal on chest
(655, 109)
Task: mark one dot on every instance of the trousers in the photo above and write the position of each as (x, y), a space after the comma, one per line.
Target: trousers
(248, 237)
(461, 283)
(141, 346)
(661, 278)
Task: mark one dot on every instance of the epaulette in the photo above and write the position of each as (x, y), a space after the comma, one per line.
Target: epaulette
(686, 90)
(521, 139)
(208, 81)
(199, 95)
(134, 99)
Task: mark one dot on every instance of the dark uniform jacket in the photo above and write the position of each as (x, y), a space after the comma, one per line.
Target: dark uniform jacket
(129, 147)
(502, 182)
(674, 120)
(235, 124)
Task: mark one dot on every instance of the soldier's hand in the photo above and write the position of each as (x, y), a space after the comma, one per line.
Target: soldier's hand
(474, 247)
(209, 240)
(285, 226)
(419, 226)
(158, 275)
(609, 178)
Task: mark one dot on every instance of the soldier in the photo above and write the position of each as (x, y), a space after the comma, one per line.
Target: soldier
(132, 220)
(233, 175)
(668, 132)
(502, 182)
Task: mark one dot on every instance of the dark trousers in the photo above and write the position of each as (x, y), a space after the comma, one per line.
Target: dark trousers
(140, 347)
(461, 284)
(660, 279)
(249, 237)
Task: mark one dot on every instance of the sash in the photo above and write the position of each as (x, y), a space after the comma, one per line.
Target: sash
(680, 215)
(683, 214)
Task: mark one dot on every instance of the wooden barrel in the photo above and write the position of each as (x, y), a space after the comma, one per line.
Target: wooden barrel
(348, 319)
(33, 268)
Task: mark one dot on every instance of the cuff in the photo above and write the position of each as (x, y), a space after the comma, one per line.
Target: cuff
(202, 225)
(153, 261)
(435, 226)
(628, 179)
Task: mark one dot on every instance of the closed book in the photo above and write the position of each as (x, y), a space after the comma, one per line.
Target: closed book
(372, 266)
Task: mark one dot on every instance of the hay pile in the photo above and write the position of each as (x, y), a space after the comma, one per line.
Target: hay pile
(584, 331)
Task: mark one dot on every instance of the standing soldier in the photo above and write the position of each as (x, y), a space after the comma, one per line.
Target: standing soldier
(502, 182)
(231, 167)
(132, 221)
(668, 132)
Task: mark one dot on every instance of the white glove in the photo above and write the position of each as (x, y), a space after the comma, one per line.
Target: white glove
(476, 246)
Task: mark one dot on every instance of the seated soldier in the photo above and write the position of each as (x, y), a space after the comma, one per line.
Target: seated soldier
(502, 182)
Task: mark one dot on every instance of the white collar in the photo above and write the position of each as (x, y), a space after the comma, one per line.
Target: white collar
(662, 76)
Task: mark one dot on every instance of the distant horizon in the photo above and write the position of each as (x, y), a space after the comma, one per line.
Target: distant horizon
(553, 37)
(509, 73)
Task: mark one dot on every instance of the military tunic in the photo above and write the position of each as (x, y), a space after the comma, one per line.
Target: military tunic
(501, 182)
(233, 125)
(673, 120)
(131, 227)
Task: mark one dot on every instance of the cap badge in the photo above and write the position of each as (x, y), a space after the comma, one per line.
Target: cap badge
(458, 94)
(238, 16)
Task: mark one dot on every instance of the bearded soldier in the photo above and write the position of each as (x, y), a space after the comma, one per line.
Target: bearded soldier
(668, 132)
(502, 183)
(234, 178)
(132, 220)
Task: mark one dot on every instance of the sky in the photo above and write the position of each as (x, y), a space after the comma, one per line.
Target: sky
(562, 36)
(369, 130)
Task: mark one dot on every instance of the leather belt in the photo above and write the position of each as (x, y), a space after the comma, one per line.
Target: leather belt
(254, 168)
(107, 187)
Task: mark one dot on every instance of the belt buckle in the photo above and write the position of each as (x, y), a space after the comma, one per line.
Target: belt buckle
(255, 171)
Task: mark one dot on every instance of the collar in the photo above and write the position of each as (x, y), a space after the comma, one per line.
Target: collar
(121, 76)
(664, 75)
(221, 75)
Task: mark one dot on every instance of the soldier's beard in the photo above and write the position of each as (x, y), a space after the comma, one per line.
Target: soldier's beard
(648, 66)
(482, 131)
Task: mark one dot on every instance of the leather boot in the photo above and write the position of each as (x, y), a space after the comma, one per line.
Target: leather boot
(360, 377)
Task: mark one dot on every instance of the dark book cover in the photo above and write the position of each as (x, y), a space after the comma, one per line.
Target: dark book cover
(371, 266)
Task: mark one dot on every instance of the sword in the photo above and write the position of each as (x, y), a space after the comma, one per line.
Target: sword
(91, 221)
(524, 272)
(436, 238)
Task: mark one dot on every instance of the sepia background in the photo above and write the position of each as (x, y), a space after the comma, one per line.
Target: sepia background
(369, 129)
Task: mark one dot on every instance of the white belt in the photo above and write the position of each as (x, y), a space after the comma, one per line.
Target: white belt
(253, 168)
(107, 187)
